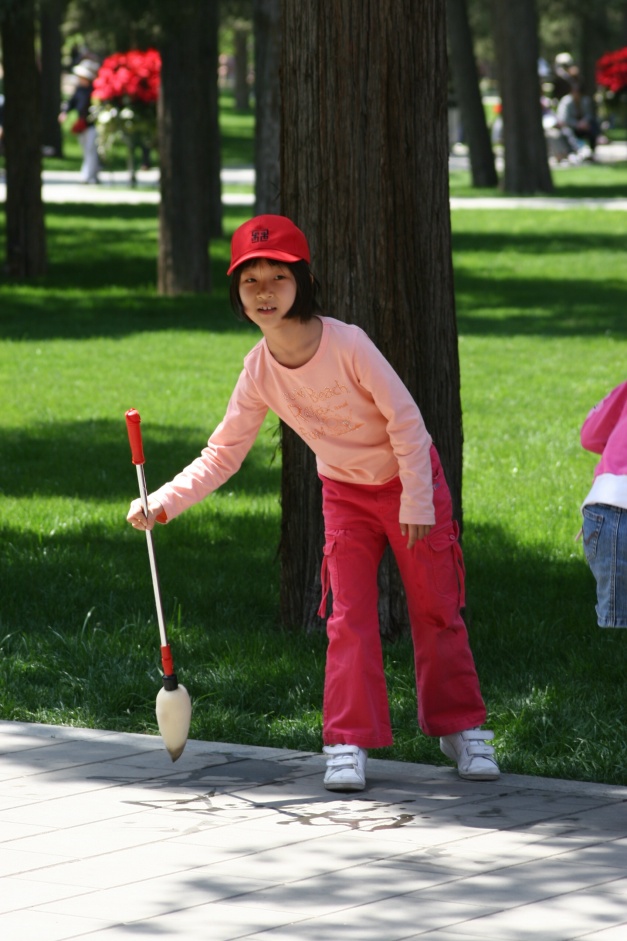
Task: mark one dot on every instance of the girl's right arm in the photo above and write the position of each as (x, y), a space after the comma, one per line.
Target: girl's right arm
(222, 457)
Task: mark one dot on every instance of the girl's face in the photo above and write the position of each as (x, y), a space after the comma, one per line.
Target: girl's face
(267, 292)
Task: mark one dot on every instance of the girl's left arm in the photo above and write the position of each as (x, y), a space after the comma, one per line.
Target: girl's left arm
(408, 435)
(603, 419)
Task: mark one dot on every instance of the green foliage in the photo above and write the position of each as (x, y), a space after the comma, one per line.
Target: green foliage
(107, 26)
(564, 26)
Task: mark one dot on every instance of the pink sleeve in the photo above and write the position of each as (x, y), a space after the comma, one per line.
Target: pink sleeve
(226, 449)
(409, 438)
(603, 419)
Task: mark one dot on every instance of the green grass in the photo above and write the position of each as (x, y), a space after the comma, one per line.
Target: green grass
(586, 181)
(542, 337)
(543, 330)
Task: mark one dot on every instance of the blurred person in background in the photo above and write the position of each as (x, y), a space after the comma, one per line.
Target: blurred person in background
(577, 121)
(84, 127)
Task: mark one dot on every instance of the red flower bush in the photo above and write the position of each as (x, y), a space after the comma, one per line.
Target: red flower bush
(129, 77)
(611, 71)
(125, 92)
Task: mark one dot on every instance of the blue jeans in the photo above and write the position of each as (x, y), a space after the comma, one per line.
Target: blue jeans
(605, 547)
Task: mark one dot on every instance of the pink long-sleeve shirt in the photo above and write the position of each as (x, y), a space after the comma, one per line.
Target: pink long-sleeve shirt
(346, 403)
(605, 432)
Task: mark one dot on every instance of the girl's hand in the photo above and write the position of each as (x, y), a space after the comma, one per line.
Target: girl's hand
(415, 532)
(138, 519)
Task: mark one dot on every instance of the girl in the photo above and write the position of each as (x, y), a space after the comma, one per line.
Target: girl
(382, 483)
(605, 508)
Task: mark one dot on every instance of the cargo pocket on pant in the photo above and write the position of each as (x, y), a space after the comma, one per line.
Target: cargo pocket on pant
(447, 563)
(325, 575)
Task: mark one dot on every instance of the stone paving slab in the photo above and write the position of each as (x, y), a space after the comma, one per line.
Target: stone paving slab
(102, 837)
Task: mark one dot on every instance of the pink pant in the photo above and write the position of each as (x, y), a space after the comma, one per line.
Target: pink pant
(360, 520)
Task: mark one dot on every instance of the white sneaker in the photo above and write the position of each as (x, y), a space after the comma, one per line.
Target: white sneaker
(475, 758)
(346, 768)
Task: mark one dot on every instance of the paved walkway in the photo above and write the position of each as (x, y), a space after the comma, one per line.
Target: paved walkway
(63, 186)
(103, 838)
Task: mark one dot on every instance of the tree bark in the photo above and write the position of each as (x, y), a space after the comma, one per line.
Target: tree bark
(242, 92)
(50, 34)
(526, 159)
(466, 81)
(188, 148)
(26, 236)
(267, 26)
(595, 40)
(366, 177)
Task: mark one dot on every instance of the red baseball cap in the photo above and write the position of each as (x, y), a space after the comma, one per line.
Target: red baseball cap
(268, 237)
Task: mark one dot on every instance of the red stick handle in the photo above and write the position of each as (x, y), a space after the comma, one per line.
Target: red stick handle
(167, 661)
(135, 436)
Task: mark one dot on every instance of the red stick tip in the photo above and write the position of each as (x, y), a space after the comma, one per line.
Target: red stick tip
(135, 436)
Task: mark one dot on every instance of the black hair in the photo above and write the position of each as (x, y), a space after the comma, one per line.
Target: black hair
(306, 303)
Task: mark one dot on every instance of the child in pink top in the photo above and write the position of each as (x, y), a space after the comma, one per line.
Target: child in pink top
(605, 507)
(382, 483)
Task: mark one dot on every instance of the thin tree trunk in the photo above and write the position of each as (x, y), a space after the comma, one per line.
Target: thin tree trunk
(466, 80)
(267, 105)
(212, 104)
(50, 34)
(242, 93)
(595, 40)
(188, 150)
(366, 177)
(526, 158)
(26, 236)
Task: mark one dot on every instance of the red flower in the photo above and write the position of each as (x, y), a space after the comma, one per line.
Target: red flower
(611, 71)
(130, 75)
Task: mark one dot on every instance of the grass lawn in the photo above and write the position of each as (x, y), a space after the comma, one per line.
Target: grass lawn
(586, 181)
(542, 337)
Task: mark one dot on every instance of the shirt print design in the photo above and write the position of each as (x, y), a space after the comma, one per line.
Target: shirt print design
(320, 413)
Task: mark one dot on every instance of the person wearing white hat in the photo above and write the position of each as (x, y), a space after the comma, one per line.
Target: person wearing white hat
(564, 73)
(85, 73)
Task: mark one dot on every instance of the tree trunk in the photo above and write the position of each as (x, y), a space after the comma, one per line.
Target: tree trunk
(595, 40)
(267, 24)
(466, 81)
(26, 235)
(50, 33)
(526, 159)
(242, 93)
(212, 105)
(188, 148)
(366, 177)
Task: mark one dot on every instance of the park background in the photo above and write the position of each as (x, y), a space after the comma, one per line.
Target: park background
(539, 296)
